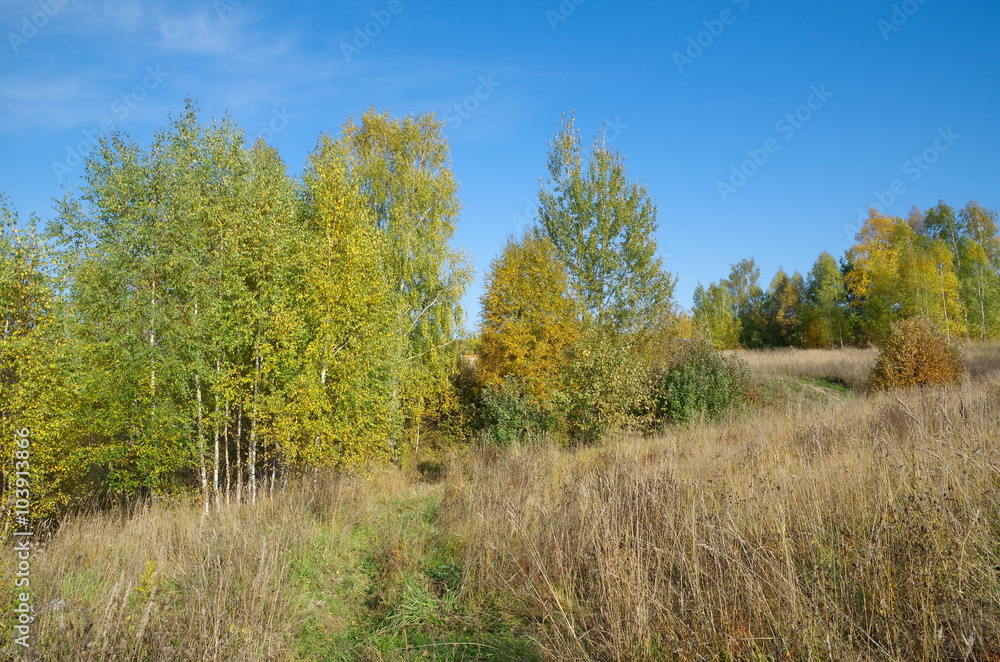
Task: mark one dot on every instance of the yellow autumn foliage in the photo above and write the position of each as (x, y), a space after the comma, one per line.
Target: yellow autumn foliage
(529, 318)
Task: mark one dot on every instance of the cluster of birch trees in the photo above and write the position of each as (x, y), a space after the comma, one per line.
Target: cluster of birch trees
(942, 263)
(195, 316)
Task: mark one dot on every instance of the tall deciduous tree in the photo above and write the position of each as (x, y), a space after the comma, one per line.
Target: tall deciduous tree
(603, 226)
(402, 167)
(971, 236)
(715, 315)
(25, 300)
(180, 262)
(353, 347)
(748, 299)
(784, 304)
(979, 270)
(29, 344)
(899, 273)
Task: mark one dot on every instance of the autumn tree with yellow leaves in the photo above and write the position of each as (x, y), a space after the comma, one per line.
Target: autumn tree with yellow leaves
(529, 318)
(897, 272)
(402, 170)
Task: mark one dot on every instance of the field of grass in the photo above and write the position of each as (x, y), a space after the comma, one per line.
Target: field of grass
(830, 524)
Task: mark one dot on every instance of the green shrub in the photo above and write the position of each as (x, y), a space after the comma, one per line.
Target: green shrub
(700, 382)
(509, 415)
(603, 383)
(915, 353)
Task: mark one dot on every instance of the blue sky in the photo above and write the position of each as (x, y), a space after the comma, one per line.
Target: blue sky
(760, 128)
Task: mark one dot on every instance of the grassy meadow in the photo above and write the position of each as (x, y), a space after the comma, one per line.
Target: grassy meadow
(826, 524)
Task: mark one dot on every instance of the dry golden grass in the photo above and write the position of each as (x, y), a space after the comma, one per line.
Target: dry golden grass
(849, 366)
(870, 530)
(981, 358)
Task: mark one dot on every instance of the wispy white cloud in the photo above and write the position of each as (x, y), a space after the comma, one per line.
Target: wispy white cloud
(29, 102)
(125, 15)
(197, 32)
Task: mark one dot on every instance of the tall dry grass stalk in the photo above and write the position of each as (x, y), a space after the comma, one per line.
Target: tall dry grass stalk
(870, 530)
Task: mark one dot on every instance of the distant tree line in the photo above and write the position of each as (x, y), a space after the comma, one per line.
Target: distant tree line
(941, 264)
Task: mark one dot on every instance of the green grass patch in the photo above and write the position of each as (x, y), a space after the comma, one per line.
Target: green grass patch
(390, 588)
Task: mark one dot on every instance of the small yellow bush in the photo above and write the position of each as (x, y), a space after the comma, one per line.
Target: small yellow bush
(915, 353)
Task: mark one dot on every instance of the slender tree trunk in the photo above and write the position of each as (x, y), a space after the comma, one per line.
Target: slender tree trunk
(152, 345)
(226, 443)
(239, 459)
(252, 453)
(982, 304)
(215, 463)
(215, 439)
(944, 307)
(201, 444)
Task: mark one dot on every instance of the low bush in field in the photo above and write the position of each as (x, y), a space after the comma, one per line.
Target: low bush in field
(916, 353)
(701, 382)
(510, 415)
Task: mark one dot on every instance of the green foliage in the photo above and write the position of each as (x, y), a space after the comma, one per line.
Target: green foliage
(603, 227)
(602, 386)
(154, 257)
(974, 242)
(402, 169)
(978, 264)
(715, 315)
(29, 346)
(825, 322)
(896, 272)
(352, 354)
(221, 324)
(451, 417)
(701, 383)
(916, 353)
(510, 415)
(783, 306)
(749, 302)
(737, 312)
